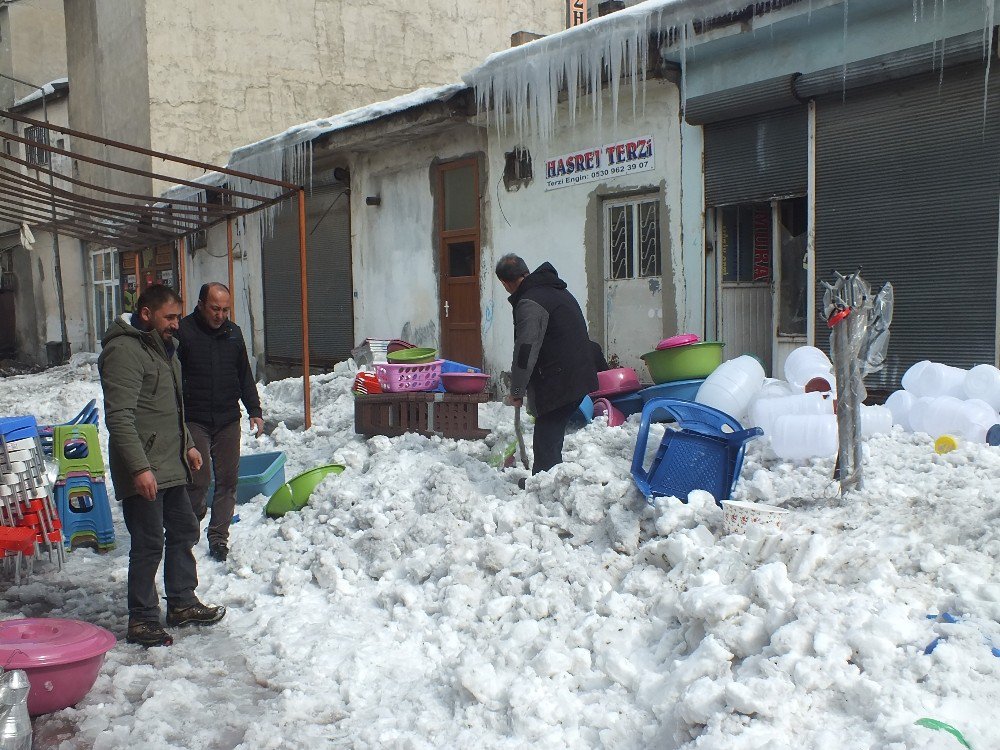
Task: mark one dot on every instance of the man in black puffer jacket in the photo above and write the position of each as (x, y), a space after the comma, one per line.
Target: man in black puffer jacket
(217, 377)
(553, 357)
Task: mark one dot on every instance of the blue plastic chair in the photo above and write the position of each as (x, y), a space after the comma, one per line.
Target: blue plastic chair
(706, 453)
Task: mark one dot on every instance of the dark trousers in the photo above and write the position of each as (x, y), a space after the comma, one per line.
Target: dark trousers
(550, 430)
(164, 528)
(220, 453)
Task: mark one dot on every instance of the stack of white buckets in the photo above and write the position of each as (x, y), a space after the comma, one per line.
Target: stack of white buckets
(796, 413)
(943, 400)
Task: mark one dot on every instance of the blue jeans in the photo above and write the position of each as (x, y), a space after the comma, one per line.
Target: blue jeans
(161, 529)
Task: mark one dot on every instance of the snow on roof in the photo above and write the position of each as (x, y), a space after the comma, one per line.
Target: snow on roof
(309, 131)
(524, 82)
(59, 84)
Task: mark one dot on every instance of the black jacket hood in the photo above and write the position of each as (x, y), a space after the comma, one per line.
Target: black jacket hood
(543, 276)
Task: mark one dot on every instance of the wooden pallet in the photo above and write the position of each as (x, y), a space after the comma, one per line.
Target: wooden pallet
(449, 415)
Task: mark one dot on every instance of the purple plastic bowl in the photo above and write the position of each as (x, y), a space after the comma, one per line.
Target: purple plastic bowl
(61, 658)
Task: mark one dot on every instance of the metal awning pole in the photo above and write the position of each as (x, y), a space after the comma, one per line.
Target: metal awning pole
(304, 293)
(229, 253)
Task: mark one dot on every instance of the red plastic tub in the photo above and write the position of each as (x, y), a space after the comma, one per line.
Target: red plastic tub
(464, 382)
(61, 658)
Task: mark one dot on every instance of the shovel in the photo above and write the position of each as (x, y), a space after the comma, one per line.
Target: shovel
(520, 437)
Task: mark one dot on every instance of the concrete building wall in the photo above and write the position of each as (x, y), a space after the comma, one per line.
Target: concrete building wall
(106, 55)
(227, 73)
(32, 45)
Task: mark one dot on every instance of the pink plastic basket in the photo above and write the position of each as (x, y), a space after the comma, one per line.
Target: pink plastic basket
(396, 378)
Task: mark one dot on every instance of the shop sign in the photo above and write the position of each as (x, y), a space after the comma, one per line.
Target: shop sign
(577, 12)
(600, 163)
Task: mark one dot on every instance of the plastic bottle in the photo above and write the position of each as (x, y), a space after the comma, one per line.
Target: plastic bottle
(912, 375)
(799, 436)
(941, 416)
(807, 363)
(732, 385)
(983, 382)
(975, 420)
(875, 420)
(900, 403)
(936, 379)
(917, 412)
(765, 411)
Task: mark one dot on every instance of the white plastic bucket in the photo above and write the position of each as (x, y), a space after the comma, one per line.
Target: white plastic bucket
(875, 420)
(806, 363)
(800, 436)
(766, 410)
(983, 382)
(732, 385)
(900, 404)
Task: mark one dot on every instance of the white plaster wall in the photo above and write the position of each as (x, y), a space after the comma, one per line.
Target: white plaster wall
(226, 73)
(395, 263)
(76, 294)
(552, 226)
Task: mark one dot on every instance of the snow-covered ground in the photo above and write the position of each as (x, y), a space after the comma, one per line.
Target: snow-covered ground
(423, 601)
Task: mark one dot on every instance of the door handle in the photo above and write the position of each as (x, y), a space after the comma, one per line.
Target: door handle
(446, 308)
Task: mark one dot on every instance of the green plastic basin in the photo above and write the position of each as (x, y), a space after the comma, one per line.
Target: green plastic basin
(416, 356)
(688, 362)
(294, 494)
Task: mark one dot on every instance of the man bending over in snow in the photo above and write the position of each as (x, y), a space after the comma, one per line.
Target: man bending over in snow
(553, 356)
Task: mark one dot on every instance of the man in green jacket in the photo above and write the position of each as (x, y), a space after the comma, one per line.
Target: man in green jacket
(151, 455)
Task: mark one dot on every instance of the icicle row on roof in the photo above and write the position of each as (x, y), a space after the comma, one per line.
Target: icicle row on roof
(519, 88)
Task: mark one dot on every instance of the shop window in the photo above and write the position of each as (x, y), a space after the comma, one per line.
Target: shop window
(36, 154)
(633, 238)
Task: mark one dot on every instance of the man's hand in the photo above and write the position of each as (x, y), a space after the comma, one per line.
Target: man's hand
(256, 426)
(194, 459)
(511, 401)
(145, 484)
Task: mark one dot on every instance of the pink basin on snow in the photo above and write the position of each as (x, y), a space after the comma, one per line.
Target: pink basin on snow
(61, 658)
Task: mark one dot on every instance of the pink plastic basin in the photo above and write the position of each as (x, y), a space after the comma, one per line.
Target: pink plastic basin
(617, 381)
(464, 382)
(681, 339)
(604, 408)
(61, 658)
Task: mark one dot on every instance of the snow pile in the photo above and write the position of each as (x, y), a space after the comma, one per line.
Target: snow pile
(422, 600)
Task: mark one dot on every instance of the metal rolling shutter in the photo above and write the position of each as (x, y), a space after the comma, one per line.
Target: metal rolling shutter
(907, 190)
(331, 311)
(757, 158)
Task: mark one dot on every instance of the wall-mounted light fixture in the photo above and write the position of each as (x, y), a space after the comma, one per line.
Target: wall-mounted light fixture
(373, 200)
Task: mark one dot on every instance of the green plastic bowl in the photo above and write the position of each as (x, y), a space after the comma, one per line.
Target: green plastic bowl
(689, 362)
(294, 494)
(416, 356)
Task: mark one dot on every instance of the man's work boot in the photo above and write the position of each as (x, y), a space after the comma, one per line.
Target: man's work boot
(218, 551)
(148, 633)
(194, 614)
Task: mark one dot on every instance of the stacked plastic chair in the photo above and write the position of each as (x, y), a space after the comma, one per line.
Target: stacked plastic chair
(29, 523)
(89, 414)
(80, 490)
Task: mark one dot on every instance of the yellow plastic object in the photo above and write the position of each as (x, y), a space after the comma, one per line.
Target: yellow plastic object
(945, 444)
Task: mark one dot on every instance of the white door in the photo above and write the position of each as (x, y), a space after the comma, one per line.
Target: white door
(745, 249)
(633, 294)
